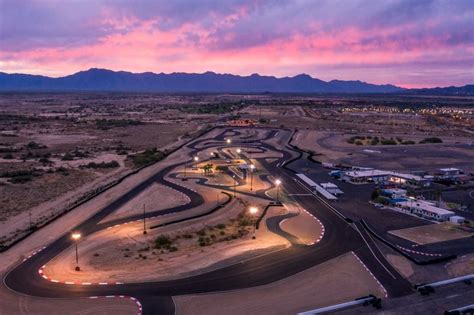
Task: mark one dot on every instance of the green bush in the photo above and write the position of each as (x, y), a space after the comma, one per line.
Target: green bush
(431, 140)
(388, 142)
(162, 241)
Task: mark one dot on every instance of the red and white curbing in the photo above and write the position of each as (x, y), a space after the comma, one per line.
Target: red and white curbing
(42, 274)
(322, 228)
(377, 280)
(34, 253)
(418, 253)
(137, 302)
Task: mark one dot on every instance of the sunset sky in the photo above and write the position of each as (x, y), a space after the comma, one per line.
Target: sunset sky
(413, 43)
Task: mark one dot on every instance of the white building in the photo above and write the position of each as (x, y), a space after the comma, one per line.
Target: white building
(332, 188)
(380, 176)
(395, 193)
(365, 176)
(425, 209)
(456, 219)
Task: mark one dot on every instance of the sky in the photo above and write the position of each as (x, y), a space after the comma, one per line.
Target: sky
(409, 43)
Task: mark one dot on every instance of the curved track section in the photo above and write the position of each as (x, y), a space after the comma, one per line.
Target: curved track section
(155, 297)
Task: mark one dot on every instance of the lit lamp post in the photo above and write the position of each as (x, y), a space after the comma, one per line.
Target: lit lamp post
(253, 211)
(278, 183)
(144, 220)
(76, 237)
(238, 151)
(235, 183)
(411, 203)
(229, 141)
(252, 167)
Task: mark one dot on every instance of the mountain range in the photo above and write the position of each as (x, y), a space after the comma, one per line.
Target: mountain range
(106, 80)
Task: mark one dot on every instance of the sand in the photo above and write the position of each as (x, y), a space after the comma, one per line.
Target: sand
(432, 233)
(315, 287)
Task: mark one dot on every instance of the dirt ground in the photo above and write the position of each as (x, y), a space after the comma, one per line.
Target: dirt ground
(332, 147)
(461, 266)
(110, 255)
(156, 197)
(315, 287)
(85, 306)
(304, 226)
(433, 233)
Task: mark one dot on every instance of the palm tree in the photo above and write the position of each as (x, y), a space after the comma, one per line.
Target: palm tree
(207, 168)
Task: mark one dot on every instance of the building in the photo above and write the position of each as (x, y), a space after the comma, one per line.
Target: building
(449, 172)
(395, 193)
(424, 209)
(317, 189)
(366, 176)
(332, 188)
(456, 219)
(380, 176)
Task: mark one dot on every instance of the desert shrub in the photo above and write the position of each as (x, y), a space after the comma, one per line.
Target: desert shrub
(105, 124)
(111, 164)
(431, 140)
(388, 142)
(147, 157)
(67, 157)
(408, 142)
(162, 241)
(8, 156)
(358, 142)
(374, 141)
(220, 226)
(34, 145)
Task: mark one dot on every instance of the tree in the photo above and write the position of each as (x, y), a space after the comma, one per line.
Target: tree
(375, 194)
(207, 168)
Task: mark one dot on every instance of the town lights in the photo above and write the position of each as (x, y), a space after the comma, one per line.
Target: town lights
(253, 211)
(238, 151)
(278, 183)
(76, 237)
(196, 159)
(228, 141)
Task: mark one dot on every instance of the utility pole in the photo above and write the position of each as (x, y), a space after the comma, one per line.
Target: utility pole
(144, 220)
(235, 184)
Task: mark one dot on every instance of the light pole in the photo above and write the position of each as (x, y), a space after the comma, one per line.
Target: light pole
(253, 211)
(235, 183)
(239, 150)
(144, 220)
(252, 167)
(76, 237)
(278, 183)
(229, 141)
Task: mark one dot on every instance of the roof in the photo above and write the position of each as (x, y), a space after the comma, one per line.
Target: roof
(367, 173)
(406, 176)
(375, 173)
(427, 206)
(394, 190)
(449, 169)
(328, 185)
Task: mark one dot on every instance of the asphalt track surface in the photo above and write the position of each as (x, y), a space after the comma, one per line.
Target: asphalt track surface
(155, 297)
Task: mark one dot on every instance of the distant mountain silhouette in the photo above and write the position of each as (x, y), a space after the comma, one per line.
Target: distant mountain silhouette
(450, 90)
(107, 80)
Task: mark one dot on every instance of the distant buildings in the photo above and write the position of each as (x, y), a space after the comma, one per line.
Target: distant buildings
(424, 209)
